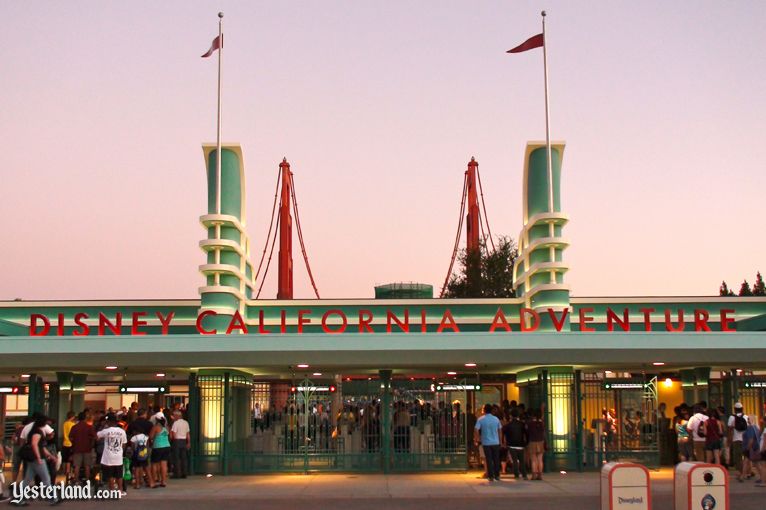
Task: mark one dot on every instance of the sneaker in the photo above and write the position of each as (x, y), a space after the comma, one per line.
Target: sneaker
(123, 494)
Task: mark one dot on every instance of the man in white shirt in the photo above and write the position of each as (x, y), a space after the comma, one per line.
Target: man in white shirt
(735, 436)
(693, 426)
(180, 442)
(47, 429)
(115, 440)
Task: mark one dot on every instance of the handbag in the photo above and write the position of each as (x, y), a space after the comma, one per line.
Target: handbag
(26, 453)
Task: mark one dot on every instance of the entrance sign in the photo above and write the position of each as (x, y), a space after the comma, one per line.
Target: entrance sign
(625, 485)
(338, 321)
(700, 486)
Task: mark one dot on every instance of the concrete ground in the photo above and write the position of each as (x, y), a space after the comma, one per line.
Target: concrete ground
(573, 491)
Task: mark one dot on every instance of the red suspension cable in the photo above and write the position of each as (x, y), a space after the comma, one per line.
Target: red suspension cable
(268, 236)
(268, 263)
(457, 236)
(300, 236)
(484, 207)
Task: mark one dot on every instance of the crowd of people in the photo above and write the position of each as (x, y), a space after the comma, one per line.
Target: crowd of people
(711, 435)
(511, 438)
(111, 449)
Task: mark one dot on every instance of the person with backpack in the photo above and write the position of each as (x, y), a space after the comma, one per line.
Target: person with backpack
(140, 460)
(696, 428)
(713, 438)
(751, 443)
(515, 432)
(737, 427)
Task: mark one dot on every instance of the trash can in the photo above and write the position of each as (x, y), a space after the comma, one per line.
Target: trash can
(700, 486)
(625, 485)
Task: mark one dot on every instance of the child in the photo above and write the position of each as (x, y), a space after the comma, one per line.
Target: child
(140, 460)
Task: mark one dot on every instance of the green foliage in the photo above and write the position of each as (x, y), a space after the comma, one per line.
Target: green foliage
(759, 289)
(486, 273)
(724, 290)
(744, 290)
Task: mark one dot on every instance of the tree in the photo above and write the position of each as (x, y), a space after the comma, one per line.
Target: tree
(744, 290)
(759, 288)
(724, 290)
(486, 273)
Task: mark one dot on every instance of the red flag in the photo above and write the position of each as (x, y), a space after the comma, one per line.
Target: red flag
(217, 44)
(533, 42)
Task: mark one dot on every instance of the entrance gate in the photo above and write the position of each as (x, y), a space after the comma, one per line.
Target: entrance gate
(374, 425)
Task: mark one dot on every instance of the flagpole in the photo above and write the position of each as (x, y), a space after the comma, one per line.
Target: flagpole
(547, 121)
(218, 135)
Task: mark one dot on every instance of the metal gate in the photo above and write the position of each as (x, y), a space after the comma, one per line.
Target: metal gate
(619, 420)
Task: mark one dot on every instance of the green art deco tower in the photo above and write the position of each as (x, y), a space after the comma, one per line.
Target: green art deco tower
(228, 271)
(539, 270)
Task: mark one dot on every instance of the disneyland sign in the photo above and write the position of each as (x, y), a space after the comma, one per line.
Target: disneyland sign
(337, 321)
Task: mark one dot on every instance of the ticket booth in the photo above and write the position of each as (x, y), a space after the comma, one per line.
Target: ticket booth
(625, 485)
(700, 486)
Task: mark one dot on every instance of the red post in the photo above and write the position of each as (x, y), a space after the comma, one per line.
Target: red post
(285, 279)
(472, 219)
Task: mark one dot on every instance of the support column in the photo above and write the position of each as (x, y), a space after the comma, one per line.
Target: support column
(36, 393)
(225, 433)
(193, 416)
(71, 396)
(3, 404)
(385, 408)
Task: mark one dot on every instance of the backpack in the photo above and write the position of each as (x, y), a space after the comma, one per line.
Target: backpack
(141, 453)
(740, 423)
(711, 430)
(701, 428)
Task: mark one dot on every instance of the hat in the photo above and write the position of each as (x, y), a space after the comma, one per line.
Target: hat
(738, 405)
(111, 417)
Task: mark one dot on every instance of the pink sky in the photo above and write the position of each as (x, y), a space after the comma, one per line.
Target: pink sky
(378, 106)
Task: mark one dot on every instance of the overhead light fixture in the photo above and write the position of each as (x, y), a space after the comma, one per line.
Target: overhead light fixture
(317, 374)
(658, 363)
(302, 365)
(470, 365)
(451, 373)
(24, 375)
(668, 382)
(111, 367)
(608, 372)
(160, 374)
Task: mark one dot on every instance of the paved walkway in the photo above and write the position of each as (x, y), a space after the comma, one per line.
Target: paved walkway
(573, 491)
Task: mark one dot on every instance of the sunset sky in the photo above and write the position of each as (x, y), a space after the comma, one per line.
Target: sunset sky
(378, 106)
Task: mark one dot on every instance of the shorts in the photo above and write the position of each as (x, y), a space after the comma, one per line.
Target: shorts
(139, 463)
(83, 460)
(66, 454)
(160, 454)
(713, 445)
(536, 447)
(111, 472)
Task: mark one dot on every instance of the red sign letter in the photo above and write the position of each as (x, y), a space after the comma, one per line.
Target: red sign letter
(669, 325)
(165, 321)
(558, 324)
(403, 325)
(647, 318)
(535, 320)
(33, 324)
(448, 321)
(700, 320)
(585, 319)
(103, 323)
(301, 320)
(365, 318)
(343, 318)
(726, 320)
(200, 318)
(261, 327)
(612, 317)
(500, 321)
(236, 322)
(136, 323)
(84, 328)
